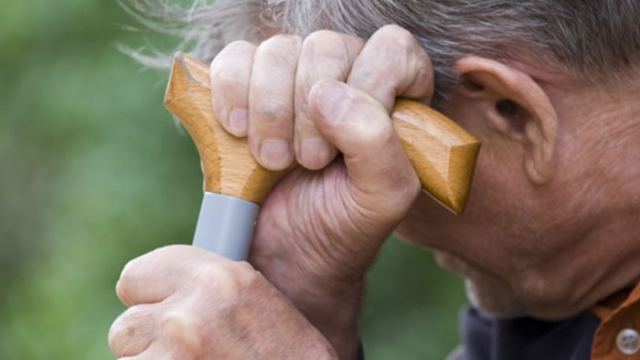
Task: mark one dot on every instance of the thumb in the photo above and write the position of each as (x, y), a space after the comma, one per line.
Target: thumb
(379, 173)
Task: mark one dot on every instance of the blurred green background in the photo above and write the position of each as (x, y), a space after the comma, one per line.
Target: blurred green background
(94, 172)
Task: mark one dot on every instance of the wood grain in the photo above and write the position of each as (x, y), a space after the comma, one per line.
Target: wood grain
(442, 153)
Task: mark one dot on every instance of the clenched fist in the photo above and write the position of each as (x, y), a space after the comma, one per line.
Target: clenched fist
(311, 99)
(187, 303)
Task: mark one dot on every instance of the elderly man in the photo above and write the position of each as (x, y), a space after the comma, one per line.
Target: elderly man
(548, 245)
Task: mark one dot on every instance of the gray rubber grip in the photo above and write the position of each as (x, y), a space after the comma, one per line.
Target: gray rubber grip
(225, 225)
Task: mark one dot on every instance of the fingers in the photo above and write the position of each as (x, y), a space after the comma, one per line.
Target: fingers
(158, 351)
(230, 78)
(358, 125)
(392, 64)
(271, 101)
(156, 332)
(156, 275)
(263, 92)
(133, 331)
(325, 55)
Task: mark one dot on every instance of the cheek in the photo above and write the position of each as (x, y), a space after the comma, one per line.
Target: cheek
(487, 224)
(498, 231)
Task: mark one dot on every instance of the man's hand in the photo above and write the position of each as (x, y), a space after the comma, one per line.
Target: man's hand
(186, 303)
(309, 99)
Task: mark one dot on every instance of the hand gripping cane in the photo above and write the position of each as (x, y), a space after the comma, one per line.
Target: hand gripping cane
(442, 153)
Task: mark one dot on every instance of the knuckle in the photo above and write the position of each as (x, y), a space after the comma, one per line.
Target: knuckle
(325, 41)
(208, 272)
(212, 277)
(408, 189)
(399, 36)
(284, 40)
(331, 48)
(157, 254)
(115, 334)
(229, 77)
(170, 250)
(275, 110)
(230, 69)
(183, 328)
(133, 272)
(230, 81)
(238, 48)
(178, 318)
(226, 280)
(232, 52)
(243, 273)
(323, 36)
(281, 46)
(127, 280)
(123, 328)
(422, 66)
(378, 133)
(279, 49)
(122, 291)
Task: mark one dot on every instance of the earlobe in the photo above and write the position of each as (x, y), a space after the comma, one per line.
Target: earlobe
(514, 105)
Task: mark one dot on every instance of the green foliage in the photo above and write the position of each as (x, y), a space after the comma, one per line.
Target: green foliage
(95, 172)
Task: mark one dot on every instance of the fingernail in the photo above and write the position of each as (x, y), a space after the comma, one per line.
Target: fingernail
(275, 154)
(314, 153)
(239, 121)
(333, 100)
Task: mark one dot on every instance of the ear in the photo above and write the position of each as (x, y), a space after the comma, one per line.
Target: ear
(515, 105)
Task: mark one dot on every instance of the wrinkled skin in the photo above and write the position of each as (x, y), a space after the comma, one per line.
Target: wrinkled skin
(549, 228)
(212, 315)
(318, 231)
(550, 249)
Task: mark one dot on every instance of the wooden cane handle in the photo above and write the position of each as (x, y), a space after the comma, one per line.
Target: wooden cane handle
(442, 153)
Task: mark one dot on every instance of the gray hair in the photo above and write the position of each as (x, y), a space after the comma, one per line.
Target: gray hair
(588, 39)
